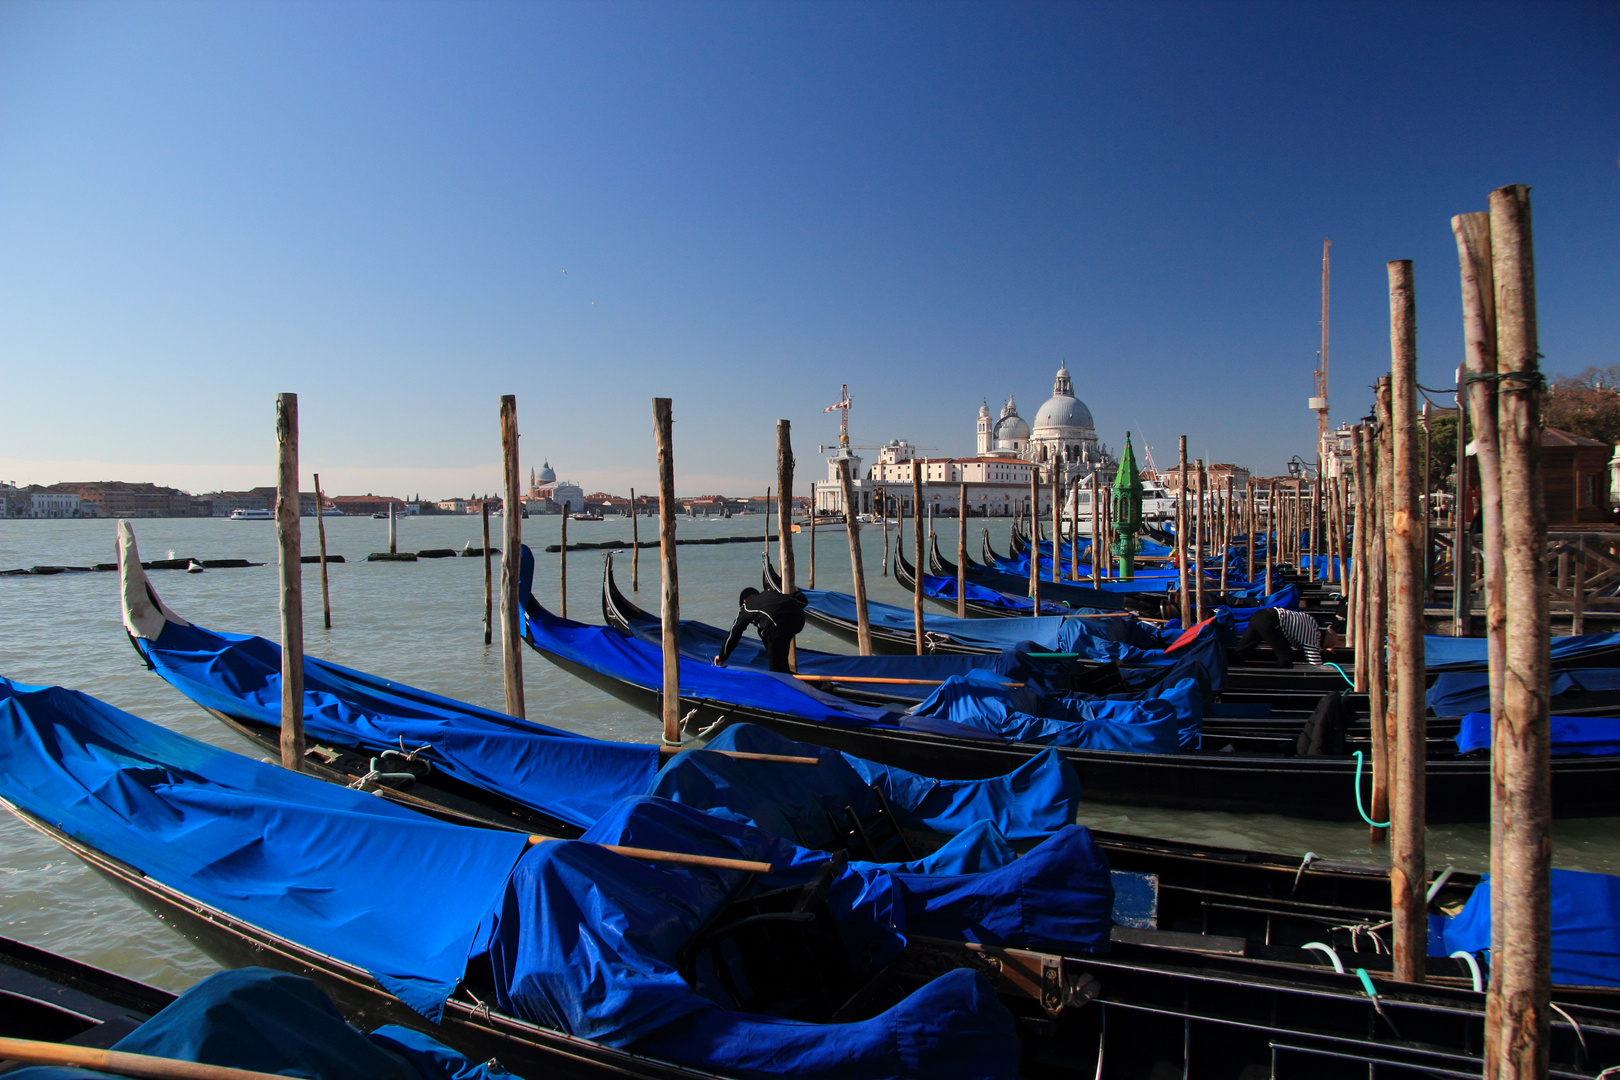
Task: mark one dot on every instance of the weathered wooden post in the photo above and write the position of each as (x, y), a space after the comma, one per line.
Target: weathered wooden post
(393, 539)
(961, 551)
(1273, 534)
(289, 540)
(562, 584)
(917, 567)
(1248, 565)
(1035, 539)
(1198, 545)
(1226, 533)
(1516, 1025)
(1074, 535)
(1577, 621)
(1358, 558)
(1096, 531)
(784, 504)
(1408, 877)
(511, 560)
(883, 506)
(857, 571)
(1315, 524)
(1380, 706)
(812, 527)
(1181, 539)
(669, 604)
(489, 587)
(635, 545)
(766, 554)
(1057, 522)
(320, 530)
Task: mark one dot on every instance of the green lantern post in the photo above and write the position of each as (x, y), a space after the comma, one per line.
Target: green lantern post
(1127, 511)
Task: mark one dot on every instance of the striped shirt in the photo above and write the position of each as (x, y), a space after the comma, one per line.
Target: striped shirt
(1301, 630)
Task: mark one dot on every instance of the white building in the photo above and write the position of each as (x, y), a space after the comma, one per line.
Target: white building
(565, 495)
(1007, 450)
(53, 504)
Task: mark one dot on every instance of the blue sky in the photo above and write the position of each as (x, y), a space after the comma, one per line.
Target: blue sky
(373, 205)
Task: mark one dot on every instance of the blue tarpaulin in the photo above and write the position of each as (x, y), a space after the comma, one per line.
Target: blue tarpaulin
(1456, 693)
(1442, 652)
(1150, 726)
(569, 776)
(273, 1022)
(615, 978)
(339, 871)
(793, 801)
(1585, 928)
(1571, 735)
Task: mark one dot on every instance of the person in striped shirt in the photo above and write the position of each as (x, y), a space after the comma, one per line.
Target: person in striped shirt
(1285, 631)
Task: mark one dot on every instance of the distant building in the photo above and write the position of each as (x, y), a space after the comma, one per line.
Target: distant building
(368, 504)
(120, 499)
(562, 496)
(45, 503)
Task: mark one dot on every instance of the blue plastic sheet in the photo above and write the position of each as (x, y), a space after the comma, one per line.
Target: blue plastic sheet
(569, 776)
(1456, 693)
(1142, 727)
(340, 871)
(1045, 632)
(1443, 652)
(615, 979)
(793, 801)
(273, 1022)
(1585, 928)
(1571, 735)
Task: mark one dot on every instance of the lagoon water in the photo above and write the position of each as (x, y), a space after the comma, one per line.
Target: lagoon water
(421, 623)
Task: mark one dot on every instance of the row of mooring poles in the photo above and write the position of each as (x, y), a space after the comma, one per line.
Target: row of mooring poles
(1181, 537)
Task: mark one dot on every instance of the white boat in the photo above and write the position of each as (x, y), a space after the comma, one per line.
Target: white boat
(252, 515)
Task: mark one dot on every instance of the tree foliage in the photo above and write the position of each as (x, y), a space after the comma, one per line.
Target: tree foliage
(1586, 404)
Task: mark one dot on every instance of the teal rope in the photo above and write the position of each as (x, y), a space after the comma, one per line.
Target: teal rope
(1366, 983)
(1351, 682)
(1359, 810)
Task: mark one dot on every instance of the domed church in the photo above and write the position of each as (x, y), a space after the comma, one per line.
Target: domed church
(1063, 430)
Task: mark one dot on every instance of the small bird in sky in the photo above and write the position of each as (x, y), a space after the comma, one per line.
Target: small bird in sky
(565, 269)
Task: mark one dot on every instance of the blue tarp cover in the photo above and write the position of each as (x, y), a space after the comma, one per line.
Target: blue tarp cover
(1571, 735)
(1150, 726)
(1585, 928)
(792, 801)
(1456, 693)
(569, 776)
(614, 978)
(340, 871)
(1443, 652)
(273, 1022)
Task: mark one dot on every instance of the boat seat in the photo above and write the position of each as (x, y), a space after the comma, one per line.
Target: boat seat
(874, 838)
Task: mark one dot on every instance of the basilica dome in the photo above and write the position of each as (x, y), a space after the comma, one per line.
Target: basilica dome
(547, 474)
(1011, 428)
(1063, 413)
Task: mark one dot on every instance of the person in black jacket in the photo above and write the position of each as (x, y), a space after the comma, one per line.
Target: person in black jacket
(777, 617)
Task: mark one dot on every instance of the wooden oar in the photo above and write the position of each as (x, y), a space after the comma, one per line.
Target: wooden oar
(30, 1052)
(680, 858)
(739, 755)
(890, 682)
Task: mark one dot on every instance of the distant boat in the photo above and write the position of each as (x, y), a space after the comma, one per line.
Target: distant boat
(252, 515)
(826, 523)
(586, 515)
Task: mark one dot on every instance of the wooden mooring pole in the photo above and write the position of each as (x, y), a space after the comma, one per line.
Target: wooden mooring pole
(289, 541)
(1516, 1027)
(1096, 534)
(1378, 692)
(1357, 622)
(784, 505)
(511, 560)
(1408, 877)
(562, 583)
(961, 551)
(320, 531)
(1074, 535)
(1226, 533)
(1057, 523)
(812, 534)
(1181, 536)
(1248, 565)
(917, 567)
(1198, 546)
(669, 603)
(1035, 539)
(1273, 534)
(489, 586)
(393, 535)
(857, 570)
(635, 545)
(883, 507)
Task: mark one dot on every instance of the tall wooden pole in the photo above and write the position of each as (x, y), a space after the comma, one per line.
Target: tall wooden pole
(883, 506)
(1273, 535)
(1516, 1027)
(393, 542)
(1198, 544)
(1358, 557)
(489, 586)
(1226, 533)
(917, 565)
(635, 545)
(784, 504)
(1057, 522)
(812, 527)
(1313, 507)
(1096, 532)
(1074, 535)
(511, 560)
(857, 570)
(1378, 613)
(1248, 565)
(1182, 521)
(669, 604)
(961, 551)
(1408, 786)
(289, 540)
(320, 530)
(562, 583)
(1035, 539)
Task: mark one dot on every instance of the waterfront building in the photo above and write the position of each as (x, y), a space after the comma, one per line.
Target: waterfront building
(45, 503)
(561, 496)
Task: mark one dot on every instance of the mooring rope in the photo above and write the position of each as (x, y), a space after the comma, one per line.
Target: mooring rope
(1359, 810)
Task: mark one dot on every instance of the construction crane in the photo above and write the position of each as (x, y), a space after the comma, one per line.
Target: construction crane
(1319, 403)
(842, 406)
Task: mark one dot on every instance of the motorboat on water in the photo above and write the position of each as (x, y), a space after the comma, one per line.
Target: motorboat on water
(586, 516)
(255, 514)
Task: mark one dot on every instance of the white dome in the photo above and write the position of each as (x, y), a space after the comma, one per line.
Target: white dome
(1010, 428)
(1064, 412)
(547, 474)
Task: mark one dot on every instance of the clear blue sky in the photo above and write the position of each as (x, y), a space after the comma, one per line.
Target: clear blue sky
(373, 204)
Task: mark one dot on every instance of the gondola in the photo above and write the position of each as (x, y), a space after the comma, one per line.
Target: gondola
(51, 998)
(1244, 782)
(987, 601)
(1080, 1013)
